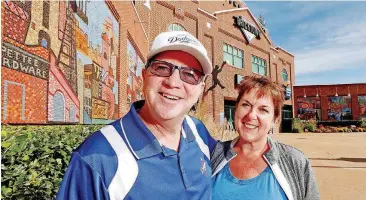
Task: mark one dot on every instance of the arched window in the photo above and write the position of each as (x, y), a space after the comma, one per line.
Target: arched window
(72, 116)
(44, 39)
(175, 27)
(284, 75)
(58, 107)
(44, 43)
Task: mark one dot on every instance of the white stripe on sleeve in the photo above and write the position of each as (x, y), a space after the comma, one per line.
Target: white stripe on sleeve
(127, 168)
(204, 148)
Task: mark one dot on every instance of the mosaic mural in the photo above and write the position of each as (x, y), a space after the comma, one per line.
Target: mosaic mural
(134, 79)
(309, 108)
(59, 62)
(339, 108)
(362, 106)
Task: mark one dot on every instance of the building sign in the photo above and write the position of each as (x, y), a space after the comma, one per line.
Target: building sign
(248, 30)
(22, 61)
(97, 85)
(81, 41)
(288, 92)
(99, 109)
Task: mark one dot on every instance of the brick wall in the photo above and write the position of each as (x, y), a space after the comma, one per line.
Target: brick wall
(325, 91)
(210, 22)
(212, 30)
(58, 84)
(34, 106)
(14, 22)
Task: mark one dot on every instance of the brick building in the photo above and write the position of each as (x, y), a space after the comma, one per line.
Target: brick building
(94, 64)
(24, 70)
(228, 30)
(330, 102)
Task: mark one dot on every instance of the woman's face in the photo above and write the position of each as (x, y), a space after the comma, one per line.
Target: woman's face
(254, 116)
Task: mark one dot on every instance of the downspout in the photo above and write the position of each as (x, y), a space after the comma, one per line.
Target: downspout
(138, 16)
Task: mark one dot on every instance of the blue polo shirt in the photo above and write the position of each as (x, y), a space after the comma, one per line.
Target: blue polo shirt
(124, 160)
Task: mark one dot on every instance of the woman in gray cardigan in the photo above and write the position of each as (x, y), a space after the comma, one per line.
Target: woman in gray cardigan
(253, 166)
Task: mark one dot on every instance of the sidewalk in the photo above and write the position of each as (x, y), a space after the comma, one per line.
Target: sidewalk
(338, 159)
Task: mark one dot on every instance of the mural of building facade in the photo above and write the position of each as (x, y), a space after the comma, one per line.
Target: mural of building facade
(339, 108)
(134, 79)
(362, 106)
(309, 108)
(59, 62)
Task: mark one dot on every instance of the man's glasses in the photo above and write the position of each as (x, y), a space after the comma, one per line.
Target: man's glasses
(166, 69)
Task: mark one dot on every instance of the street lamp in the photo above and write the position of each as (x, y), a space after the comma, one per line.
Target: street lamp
(317, 93)
(336, 92)
(304, 93)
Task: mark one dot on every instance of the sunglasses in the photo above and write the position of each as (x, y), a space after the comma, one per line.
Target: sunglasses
(166, 69)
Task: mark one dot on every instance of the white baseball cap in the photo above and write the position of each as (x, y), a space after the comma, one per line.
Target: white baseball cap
(183, 41)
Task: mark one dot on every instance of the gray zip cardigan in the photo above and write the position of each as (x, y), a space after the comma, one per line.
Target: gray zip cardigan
(289, 165)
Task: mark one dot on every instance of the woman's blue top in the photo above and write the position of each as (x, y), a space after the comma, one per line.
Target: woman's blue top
(264, 186)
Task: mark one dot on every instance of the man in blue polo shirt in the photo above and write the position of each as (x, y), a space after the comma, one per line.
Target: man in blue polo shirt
(155, 151)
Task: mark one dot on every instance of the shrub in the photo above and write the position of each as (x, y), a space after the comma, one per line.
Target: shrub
(297, 125)
(297, 130)
(363, 123)
(34, 158)
(333, 129)
(345, 129)
(317, 131)
(321, 126)
(341, 123)
(223, 132)
(327, 130)
(310, 125)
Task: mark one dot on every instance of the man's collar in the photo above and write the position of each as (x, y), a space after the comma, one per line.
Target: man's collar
(139, 138)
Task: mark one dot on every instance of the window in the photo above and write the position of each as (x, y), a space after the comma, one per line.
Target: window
(72, 116)
(8, 102)
(44, 43)
(233, 56)
(229, 113)
(259, 65)
(175, 27)
(43, 39)
(286, 114)
(46, 14)
(284, 75)
(82, 5)
(58, 107)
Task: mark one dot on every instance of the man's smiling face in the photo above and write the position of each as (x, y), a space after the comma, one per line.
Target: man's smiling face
(170, 97)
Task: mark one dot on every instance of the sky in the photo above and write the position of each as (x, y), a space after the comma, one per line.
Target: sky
(328, 39)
